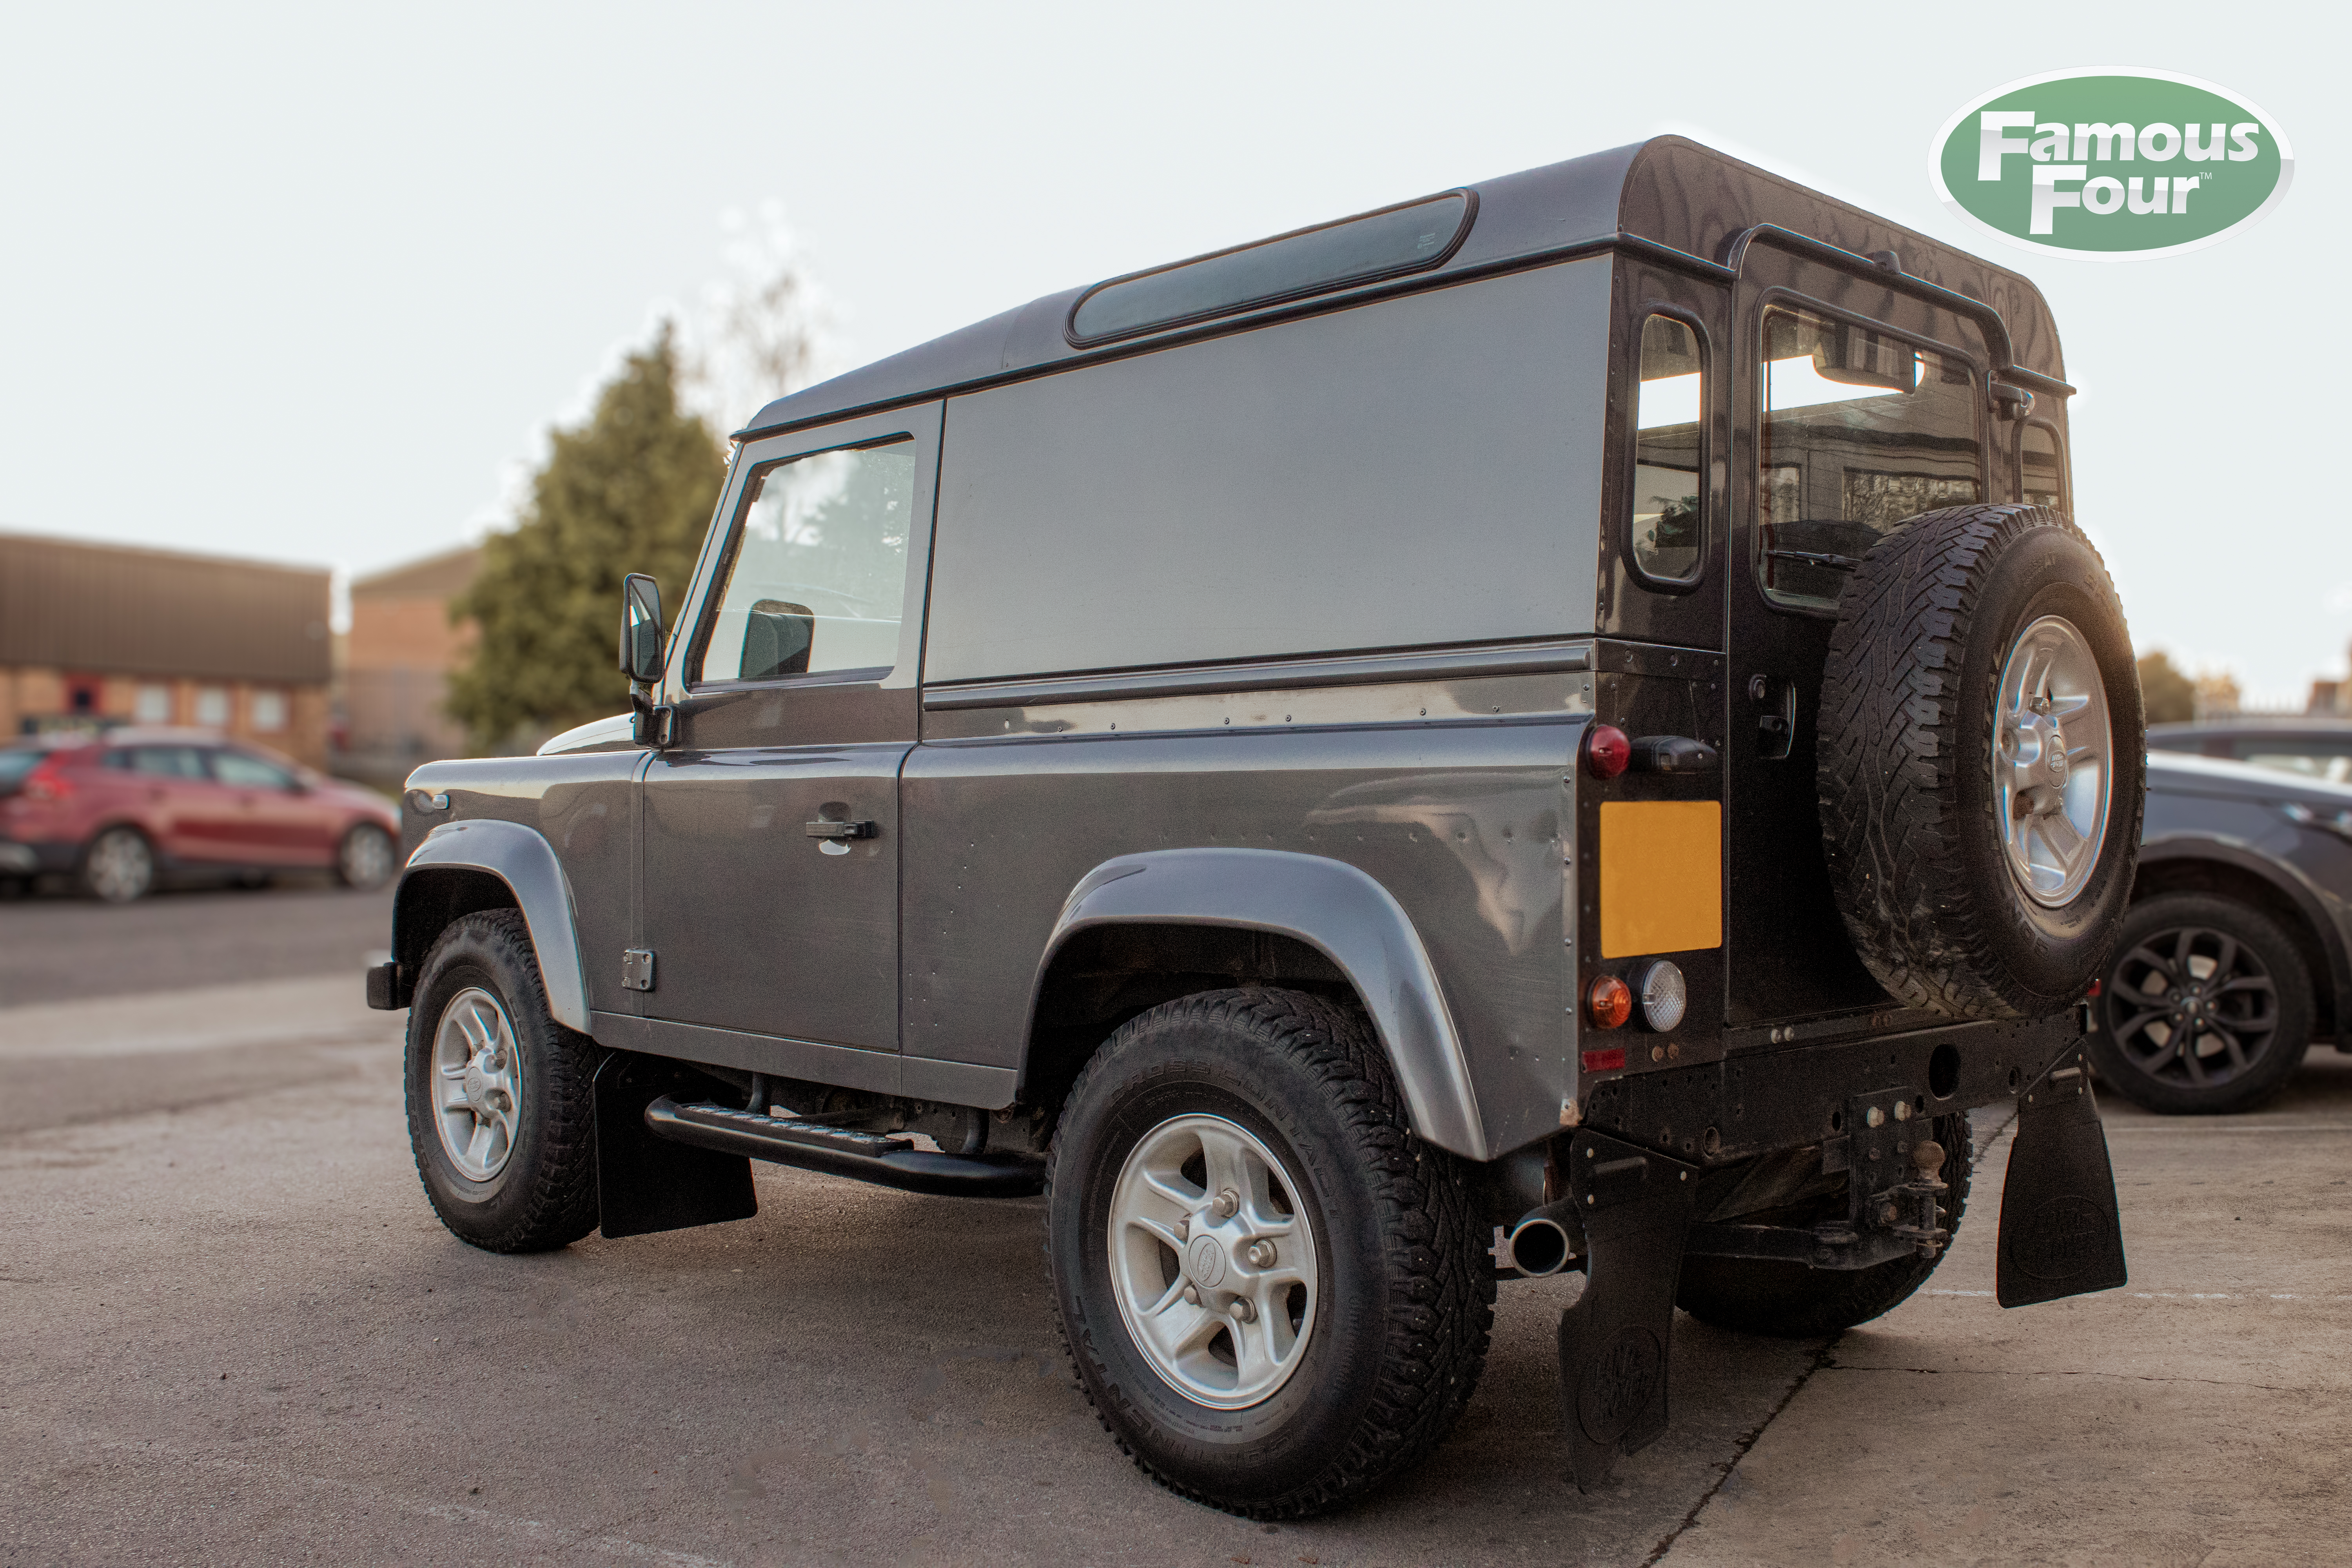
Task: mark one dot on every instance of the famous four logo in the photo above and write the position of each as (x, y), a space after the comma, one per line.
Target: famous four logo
(2111, 165)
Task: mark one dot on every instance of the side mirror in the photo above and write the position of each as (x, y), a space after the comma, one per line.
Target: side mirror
(641, 629)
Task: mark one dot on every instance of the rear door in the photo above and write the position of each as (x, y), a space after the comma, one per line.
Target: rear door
(1856, 407)
(192, 817)
(276, 821)
(769, 830)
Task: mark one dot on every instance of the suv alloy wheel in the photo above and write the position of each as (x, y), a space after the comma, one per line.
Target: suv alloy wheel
(1274, 1294)
(501, 1117)
(2206, 1008)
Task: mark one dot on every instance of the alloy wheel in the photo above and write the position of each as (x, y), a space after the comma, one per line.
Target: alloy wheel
(476, 1084)
(2052, 760)
(2192, 1007)
(1212, 1261)
(121, 866)
(366, 859)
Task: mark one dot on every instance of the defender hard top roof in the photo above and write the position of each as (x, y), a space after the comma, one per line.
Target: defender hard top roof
(1668, 199)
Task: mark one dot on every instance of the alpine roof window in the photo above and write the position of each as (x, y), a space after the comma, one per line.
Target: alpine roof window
(1353, 250)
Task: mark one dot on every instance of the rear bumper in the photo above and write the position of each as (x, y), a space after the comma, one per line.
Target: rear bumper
(22, 859)
(1755, 1101)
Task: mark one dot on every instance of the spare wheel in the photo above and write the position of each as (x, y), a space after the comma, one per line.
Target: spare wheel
(1982, 762)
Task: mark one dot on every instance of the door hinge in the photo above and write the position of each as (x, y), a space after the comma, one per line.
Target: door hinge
(636, 969)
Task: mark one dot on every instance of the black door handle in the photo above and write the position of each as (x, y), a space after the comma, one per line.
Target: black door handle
(840, 830)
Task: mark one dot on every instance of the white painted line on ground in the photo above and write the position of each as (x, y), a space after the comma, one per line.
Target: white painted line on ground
(2186, 1295)
(2114, 1127)
(322, 1009)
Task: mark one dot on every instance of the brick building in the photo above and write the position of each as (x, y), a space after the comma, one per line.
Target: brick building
(98, 633)
(396, 663)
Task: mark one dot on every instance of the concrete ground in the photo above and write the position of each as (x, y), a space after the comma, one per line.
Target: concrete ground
(231, 1329)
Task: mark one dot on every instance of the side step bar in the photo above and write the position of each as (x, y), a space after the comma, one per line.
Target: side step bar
(886, 1161)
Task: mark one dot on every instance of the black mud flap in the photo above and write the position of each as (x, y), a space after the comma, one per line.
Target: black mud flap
(646, 1184)
(1614, 1343)
(2059, 1233)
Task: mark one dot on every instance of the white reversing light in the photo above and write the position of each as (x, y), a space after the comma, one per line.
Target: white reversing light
(1665, 995)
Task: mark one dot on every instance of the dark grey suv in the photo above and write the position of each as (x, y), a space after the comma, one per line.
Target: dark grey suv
(1560, 723)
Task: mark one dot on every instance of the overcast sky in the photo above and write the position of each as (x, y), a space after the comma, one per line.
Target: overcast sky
(309, 282)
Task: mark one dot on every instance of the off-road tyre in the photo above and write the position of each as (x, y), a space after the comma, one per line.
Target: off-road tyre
(544, 1197)
(1407, 1302)
(2119, 1048)
(1791, 1301)
(1909, 809)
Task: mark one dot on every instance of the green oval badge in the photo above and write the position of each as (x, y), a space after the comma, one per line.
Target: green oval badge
(2111, 165)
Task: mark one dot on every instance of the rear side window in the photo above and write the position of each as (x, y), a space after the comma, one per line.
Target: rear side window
(817, 568)
(1415, 473)
(1668, 406)
(15, 761)
(1862, 430)
(2040, 473)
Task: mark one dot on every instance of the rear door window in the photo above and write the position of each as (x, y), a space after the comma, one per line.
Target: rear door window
(166, 762)
(242, 772)
(1862, 430)
(2313, 761)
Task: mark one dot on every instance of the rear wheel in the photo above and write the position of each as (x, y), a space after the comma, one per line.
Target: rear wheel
(1791, 1301)
(1271, 1291)
(2207, 1007)
(501, 1115)
(119, 865)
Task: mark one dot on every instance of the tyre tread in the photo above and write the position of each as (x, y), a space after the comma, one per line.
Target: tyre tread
(560, 1204)
(1440, 1307)
(1891, 710)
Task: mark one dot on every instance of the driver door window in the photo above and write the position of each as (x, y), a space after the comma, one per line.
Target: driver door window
(818, 568)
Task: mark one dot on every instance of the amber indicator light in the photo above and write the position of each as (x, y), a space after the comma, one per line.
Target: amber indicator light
(1609, 1060)
(1607, 750)
(1610, 1002)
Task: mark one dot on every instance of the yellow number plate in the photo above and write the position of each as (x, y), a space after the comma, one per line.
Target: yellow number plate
(1661, 876)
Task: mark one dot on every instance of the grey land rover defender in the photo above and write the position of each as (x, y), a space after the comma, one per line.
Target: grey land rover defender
(1564, 723)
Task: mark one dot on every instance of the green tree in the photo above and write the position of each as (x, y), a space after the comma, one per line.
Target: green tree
(2171, 696)
(631, 489)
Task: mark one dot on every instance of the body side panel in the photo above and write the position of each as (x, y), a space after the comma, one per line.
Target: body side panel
(1332, 907)
(581, 809)
(1459, 824)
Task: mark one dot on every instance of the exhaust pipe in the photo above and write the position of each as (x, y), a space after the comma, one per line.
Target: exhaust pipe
(1538, 1244)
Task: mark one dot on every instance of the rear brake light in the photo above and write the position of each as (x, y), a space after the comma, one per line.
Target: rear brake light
(45, 783)
(1607, 750)
(1610, 1002)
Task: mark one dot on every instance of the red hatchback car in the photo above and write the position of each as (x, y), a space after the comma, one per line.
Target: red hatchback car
(122, 809)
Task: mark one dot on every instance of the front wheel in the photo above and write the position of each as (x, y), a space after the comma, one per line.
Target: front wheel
(501, 1114)
(364, 858)
(1273, 1292)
